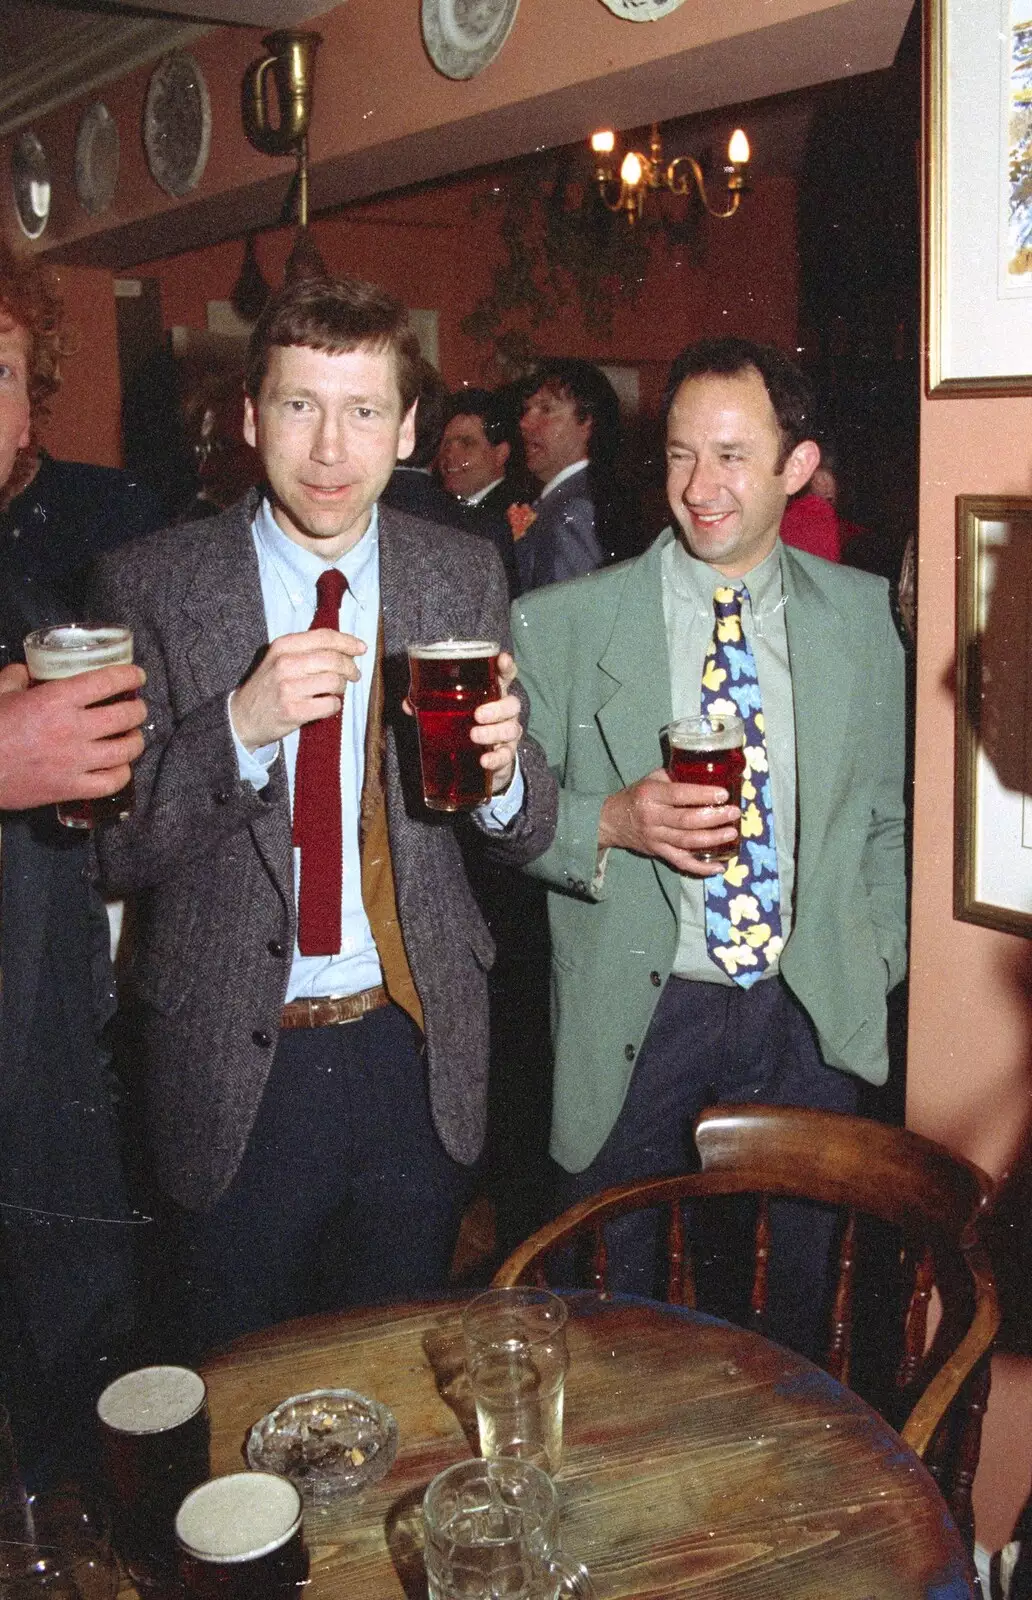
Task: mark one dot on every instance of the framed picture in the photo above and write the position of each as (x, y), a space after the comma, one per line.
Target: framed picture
(978, 141)
(992, 876)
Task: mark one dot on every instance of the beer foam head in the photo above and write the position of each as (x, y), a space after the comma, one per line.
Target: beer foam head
(239, 1517)
(455, 650)
(61, 652)
(706, 733)
(151, 1399)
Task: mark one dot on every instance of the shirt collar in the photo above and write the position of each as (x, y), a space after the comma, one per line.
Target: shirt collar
(478, 495)
(696, 580)
(299, 570)
(561, 477)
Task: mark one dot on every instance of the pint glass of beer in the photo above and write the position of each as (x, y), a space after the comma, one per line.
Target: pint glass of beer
(156, 1437)
(241, 1538)
(63, 652)
(708, 750)
(448, 680)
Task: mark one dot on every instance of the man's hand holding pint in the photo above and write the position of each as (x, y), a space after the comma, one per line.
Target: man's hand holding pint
(300, 678)
(498, 727)
(672, 821)
(59, 742)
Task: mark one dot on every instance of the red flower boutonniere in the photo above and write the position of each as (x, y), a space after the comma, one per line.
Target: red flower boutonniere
(520, 518)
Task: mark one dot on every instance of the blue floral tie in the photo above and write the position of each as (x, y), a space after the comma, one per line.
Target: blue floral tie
(743, 908)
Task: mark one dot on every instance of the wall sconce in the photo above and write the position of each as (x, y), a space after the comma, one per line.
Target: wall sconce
(639, 173)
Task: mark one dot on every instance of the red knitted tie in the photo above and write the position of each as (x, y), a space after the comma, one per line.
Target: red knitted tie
(318, 830)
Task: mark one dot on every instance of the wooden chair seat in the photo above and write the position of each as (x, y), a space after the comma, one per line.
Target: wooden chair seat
(932, 1201)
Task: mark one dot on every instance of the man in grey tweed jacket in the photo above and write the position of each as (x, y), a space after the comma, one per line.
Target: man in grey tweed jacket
(311, 1119)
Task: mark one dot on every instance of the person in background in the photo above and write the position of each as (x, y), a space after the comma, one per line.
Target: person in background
(472, 462)
(310, 971)
(412, 486)
(66, 1259)
(680, 981)
(571, 433)
(474, 452)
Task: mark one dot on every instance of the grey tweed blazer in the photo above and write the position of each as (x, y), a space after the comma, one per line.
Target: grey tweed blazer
(208, 859)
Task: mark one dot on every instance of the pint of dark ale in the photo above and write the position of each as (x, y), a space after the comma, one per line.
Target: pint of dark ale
(156, 1435)
(64, 652)
(708, 750)
(241, 1538)
(448, 680)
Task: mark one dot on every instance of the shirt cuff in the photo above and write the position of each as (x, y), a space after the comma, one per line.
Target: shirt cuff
(252, 765)
(496, 814)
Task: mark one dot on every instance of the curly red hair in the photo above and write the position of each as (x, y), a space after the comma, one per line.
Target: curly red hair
(29, 297)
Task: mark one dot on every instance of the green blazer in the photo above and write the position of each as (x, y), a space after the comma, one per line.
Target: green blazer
(593, 657)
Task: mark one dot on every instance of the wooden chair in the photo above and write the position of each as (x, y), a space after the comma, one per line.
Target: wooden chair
(933, 1201)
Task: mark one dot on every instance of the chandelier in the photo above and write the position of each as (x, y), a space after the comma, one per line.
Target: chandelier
(639, 173)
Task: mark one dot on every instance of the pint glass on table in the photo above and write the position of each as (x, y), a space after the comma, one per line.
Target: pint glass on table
(241, 1538)
(156, 1437)
(64, 652)
(708, 750)
(448, 680)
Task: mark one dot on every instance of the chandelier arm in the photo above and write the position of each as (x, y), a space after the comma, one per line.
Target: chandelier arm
(605, 186)
(679, 184)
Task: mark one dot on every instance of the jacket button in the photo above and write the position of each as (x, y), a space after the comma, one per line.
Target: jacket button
(265, 795)
(655, 979)
(275, 948)
(222, 797)
(628, 1051)
(262, 1037)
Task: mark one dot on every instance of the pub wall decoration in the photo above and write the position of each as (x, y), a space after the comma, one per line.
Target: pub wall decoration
(177, 124)
(463, 36)
(642, 10)
(979, 144)
(96, 158)
(992, 880)
(30, 183)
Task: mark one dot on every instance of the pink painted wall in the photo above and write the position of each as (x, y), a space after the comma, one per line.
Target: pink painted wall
(435, 250)
(969, 1072)
(86, 414)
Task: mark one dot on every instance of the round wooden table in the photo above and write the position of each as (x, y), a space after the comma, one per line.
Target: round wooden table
(699, 1459)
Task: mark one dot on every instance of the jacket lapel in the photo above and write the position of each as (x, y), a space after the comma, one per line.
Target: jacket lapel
(225, 619)
(636, 665)
(822, 684)
(224, 631)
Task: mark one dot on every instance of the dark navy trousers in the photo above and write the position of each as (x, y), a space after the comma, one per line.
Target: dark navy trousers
(710, 1043)
(345, 1195)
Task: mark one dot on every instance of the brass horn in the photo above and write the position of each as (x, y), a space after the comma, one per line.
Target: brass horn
(291, 60)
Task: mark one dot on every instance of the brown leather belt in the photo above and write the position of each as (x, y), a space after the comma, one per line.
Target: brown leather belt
(327, 1011)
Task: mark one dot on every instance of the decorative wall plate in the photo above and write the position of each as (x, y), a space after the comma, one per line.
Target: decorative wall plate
(177, 124)
(462, 36)
(96, 158)
(642, 10)
(30, 179)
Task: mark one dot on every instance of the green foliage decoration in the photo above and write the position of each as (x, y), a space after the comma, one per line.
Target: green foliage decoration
(562, 247)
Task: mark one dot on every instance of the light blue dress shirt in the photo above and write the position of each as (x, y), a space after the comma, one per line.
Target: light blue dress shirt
(288, 575)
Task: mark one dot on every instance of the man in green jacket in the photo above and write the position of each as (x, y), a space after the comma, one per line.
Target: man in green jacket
(678, 982)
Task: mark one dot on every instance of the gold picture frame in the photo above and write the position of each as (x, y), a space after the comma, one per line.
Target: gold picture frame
(992, 863)
(978, 121)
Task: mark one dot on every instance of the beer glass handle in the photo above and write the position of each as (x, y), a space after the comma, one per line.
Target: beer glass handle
(571, 1578)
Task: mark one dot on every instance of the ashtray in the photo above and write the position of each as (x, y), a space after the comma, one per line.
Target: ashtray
(328, 1442)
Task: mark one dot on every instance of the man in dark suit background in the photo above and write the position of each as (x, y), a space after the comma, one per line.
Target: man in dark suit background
(474, 460)
(581, 518)
(66, 1282)
(313, 1100)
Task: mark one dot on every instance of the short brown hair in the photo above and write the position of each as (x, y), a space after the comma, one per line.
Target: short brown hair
(335, 315)
(29, 298)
